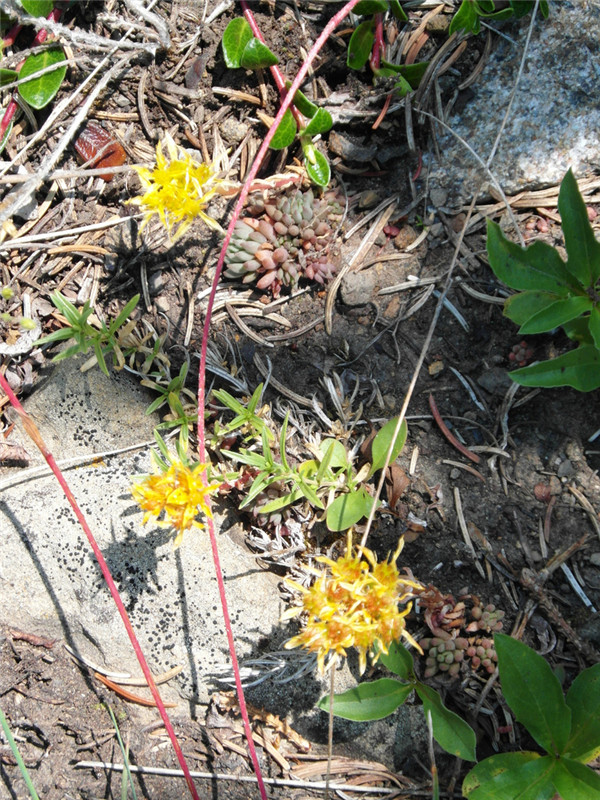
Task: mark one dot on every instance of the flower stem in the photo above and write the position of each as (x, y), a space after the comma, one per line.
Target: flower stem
(33, 432)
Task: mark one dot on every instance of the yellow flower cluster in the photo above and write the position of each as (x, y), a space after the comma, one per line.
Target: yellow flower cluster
(179, 494)
(354, 603)
(178, 189)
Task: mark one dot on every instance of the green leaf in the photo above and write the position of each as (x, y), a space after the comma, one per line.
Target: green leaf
(582, 248)
(6, 136)
(466, 19)
(285, 133)
(257, 55)
(38, 8)
(321, 122)
(583, 698)
(235, 38)
(8, 76)
(368, 701)
(399, 660)
(538, 267)
(398, 11)
(534, 693)
(347, 509)
(338, 457)
(511, 776)
(38, 92)
(382, 442)
(360, 44)
(522, 306)
(367, 7)
(318, 169)
(575, 781)
(123, 317)
(579, 368)
(449, 730)
(556, 314)
(302, 103)
(594, 325)
(413, 73)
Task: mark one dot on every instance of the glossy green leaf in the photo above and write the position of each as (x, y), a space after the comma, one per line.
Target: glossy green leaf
(466, 19)
(38, 8)
(257, 55)
(412, 73)
(538, 267)
(534, 693)
(382, 442)
(360, 44)
(8, 76)
(449, 730)
(321, 122)
(582, 248)
(285, 133)
(575, 781)
(399, 660)
(318, 168)
(38, 92)
(521, 7)
(366, 7)
(302, 103)
(522, 306)
(398, 11)
(511, 776)
(579, 368)
(594, 325)
(347, 509)
(368, 701)
(556, 314)
(583, 698)
(237, 35)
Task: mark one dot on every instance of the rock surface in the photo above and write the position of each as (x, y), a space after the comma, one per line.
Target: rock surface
(555, 119)
(50, 583)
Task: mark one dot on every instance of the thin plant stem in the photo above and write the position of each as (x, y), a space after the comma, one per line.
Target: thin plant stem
(34, 434)
(330, 730)
(124, 754)
(15, 751)
(285, 104)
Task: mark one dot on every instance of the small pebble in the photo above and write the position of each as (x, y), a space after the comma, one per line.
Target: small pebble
(155, 282)
(162, 304)
(595, 559)
(438, 197)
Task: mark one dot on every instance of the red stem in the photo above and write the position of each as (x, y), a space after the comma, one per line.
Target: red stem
(11, 36)
(451, 438)
(275, 71)
(33, 432)
(378, 43)
(285, 104)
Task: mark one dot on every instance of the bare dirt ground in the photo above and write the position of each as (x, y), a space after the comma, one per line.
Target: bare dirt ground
(471, 528)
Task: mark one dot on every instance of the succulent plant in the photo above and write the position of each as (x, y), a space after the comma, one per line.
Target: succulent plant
(482, 654)
(287, 238)
(443, 655)
(485, 618)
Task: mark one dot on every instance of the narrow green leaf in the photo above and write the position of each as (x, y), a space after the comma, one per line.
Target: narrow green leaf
(308, 491)
(556, 314)
(511, 776)
(100, 357)
(280, 502)
(533, 692)
(466, 19)
(347, 509)
(383, 440)
(282, 436)
(449, 730)
(360, 44)
(594, 325)
(123, 317)
(583, 698)
(257, 55)
(285, 133)
(399, 660)
(582, 248)
(318, 169)
(368, 701)
(38, 8)
(398, 11)
(38, 92)
(302, 103)
(522, 306)
(538, 267)
(579, 368)
(575, 781)
(367, 7)
(321, 122)
(236, 36)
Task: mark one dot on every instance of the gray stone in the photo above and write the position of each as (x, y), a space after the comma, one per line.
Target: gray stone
(555, 119)
(49, 581)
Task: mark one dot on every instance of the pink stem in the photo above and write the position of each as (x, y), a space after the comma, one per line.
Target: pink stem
(378, 43)
(275, 71)
(11, 36)
(286, 102)
(33, 432)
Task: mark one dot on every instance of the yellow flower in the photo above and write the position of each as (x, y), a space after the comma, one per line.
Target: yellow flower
(178, 493)
(178, 189)
(354, 603)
